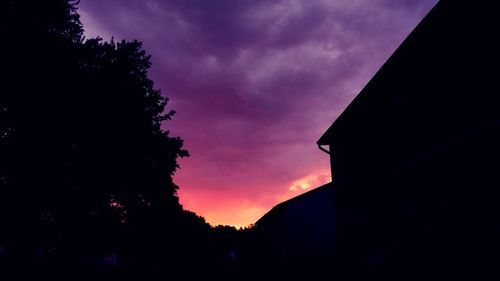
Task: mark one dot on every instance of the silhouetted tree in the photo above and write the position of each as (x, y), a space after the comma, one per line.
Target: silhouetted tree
(85, 165)
(39, 48)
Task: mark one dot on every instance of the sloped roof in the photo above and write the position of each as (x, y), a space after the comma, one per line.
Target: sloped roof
(297, 200)
(452, 43)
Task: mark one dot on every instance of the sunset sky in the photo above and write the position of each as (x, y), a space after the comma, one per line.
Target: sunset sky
(255, 83)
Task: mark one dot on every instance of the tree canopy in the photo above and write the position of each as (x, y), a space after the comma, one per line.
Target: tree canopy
(86, 163)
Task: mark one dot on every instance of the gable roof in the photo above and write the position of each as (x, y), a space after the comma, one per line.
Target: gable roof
(443, 61)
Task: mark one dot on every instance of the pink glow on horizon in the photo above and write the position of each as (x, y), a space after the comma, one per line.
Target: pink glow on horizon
(237, 210)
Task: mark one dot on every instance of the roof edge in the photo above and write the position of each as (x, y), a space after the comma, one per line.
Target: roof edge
(326, 138)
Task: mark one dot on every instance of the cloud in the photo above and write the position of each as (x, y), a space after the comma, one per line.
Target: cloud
(312, 180)
(256, 82)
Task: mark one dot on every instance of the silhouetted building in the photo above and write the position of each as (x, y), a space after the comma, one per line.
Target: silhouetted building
(302, 227)
(415, 157)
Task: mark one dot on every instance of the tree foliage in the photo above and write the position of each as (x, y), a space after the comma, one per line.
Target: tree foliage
(85, 162)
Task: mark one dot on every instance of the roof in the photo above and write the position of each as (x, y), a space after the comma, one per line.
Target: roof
(319, 191)
(453, 30)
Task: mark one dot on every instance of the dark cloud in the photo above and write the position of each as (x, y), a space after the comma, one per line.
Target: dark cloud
(255, 82)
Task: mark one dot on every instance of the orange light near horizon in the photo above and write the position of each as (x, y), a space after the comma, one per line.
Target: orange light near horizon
(237, 217)
(236, 210)
(223, 209)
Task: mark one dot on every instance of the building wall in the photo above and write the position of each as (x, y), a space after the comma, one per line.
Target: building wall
(416, 156)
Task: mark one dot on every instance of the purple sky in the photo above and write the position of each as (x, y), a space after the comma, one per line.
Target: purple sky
(255, 84)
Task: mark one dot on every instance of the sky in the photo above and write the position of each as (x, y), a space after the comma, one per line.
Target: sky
(255, 83)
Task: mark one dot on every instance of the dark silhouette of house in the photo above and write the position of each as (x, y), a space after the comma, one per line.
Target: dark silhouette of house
(294, 230)
(415, 157)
